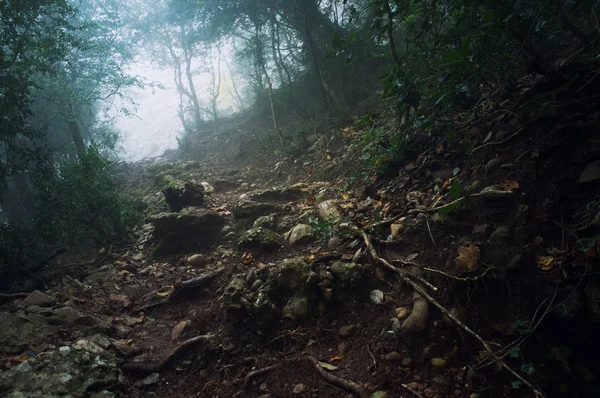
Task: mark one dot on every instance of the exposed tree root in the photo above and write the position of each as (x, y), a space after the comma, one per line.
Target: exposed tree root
(347, 385)
(258, 372)
(199, 282)
(146, 368)
(458, 278)
(405, 276)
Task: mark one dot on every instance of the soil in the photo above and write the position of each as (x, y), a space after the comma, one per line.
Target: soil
(541, 154)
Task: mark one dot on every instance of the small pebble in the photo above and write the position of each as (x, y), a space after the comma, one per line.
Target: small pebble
(438, 362)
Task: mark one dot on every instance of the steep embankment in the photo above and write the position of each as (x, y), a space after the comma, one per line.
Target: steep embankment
(463, 275)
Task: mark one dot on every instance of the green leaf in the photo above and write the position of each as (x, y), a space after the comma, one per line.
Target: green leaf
(475, 32)
(352, 38)
(448, 209)
(528, 368)
(454, 56)
(516, 384)
(455, 190)
(489, 16)
(327, 366)
(514, 352)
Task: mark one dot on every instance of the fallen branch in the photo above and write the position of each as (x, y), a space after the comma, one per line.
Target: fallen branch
(403, 274)
(258, 372)
(146, 368)
(347, 385)
(496, 143)
(13, 296)
(405, 277)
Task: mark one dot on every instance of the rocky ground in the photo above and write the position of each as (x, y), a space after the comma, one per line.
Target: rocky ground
(258, 276)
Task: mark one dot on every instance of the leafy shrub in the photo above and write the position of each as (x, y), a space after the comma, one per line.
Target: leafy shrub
(84, 201)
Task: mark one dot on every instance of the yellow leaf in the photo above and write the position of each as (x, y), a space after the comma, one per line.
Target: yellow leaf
(546, 263)
(163, 294)
(247, 258)
(345, 195)
(509, 185)
(396, 228)
(468, 256)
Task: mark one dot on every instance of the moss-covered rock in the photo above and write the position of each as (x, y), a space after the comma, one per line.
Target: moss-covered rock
(260, 239)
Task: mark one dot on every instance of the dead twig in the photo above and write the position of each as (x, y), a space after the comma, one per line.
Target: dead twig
(417, 287)
(457, 201)
(374, 364)
(258, 372)
(458, 278)
(495, 143)
(411, 390)
(145, 368)
(347, 385)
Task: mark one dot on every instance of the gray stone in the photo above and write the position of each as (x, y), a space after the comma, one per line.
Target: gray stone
(197, 260)
(297, 308)
(260, 239)
(494, 164)
(152, 379)
(40, 299)
(501, 233)
(265, 221)
(87, 371)
(347, 272)
(443, 175)
(300, 234)
(284, 194)
(188, 230)
(475, 187)
(253, 210)
(17, 333)
(328, 210)
(183, 194)
(34, 309)
(347, 331)
(235, 288)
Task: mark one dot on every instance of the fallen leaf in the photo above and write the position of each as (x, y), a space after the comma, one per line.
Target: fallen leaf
(345, 195)
(310, 257)
(396, 228)
(335, 358)
(468, 256)
(163, 294)
(522, 209)
(538, 240)
(347, 205)
(327, 366)
(509, 185)
(310, 200)
(546, 263)
(247, 258)
(412, 256)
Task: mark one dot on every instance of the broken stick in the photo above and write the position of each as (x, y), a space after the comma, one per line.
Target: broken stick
(347, 385)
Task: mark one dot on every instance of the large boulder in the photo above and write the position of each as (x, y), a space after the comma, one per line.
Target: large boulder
(252, 210)
(329, 211)
(18, 333)
(186, 231)
(273, 195)
(40, 299)
(261, 239)
(183, 194)
(83, 370)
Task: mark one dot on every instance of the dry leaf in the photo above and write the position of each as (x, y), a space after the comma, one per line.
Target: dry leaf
(163, 294)
(345, 195)
(538, 240)
(396, 228)
(522, 209)
(412, 256)
(468, 256)
(247, 258)
(335, 358)
(546, 263)
(509, 185)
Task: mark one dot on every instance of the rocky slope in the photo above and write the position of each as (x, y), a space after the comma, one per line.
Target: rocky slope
(467, 276)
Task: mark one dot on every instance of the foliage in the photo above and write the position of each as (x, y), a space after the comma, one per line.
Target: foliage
(84, 200)
(324, 229)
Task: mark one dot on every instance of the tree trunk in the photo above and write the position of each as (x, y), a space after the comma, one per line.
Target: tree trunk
(75, 132)
(238, 97)
(314, 55)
